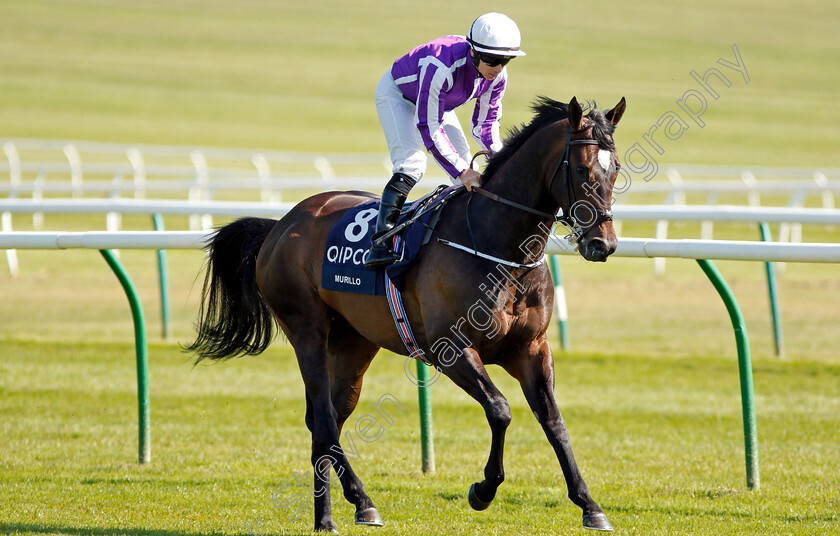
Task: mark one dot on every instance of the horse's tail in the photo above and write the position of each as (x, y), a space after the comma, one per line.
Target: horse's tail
(234, 319)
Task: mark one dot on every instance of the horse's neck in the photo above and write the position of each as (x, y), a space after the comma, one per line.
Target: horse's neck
(521, 180)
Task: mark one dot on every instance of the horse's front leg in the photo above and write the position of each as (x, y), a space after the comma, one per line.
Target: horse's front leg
(536, 376)
(469, 374)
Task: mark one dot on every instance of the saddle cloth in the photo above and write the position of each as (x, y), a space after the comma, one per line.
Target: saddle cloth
(350, 239)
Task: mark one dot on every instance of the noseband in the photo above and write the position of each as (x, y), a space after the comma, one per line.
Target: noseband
(600, 214)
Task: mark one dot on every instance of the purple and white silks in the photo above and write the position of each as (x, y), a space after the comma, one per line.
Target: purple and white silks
(434, 79)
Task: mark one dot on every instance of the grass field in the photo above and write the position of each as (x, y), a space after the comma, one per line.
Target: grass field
(649, 388)
(658, 439)
(652, 403)
(287, 75)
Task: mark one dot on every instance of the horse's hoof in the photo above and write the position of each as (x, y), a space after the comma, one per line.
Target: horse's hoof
(597, 521)
(475, 502)
(369, 516)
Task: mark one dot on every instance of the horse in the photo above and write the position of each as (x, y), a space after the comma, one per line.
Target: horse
(263, 272)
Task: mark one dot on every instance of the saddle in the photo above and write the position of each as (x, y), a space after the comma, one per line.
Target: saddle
(350, 239)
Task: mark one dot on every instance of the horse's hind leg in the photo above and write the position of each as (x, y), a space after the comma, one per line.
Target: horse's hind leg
(536, 376)
(320, 418)
(306, 323)
(349, 357)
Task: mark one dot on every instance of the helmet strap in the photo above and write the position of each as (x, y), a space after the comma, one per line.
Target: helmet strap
(475, 61)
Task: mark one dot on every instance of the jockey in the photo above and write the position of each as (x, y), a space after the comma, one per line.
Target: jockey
(416, 99)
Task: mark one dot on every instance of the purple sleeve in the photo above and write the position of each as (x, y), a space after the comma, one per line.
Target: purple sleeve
(487, 113)
(434, 77)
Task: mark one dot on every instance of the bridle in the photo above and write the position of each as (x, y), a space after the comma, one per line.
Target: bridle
(562, 167)
(600, 214)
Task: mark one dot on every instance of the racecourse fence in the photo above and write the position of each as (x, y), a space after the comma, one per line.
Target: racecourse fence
(194, 178)
(701, 250)
(156, 209)
(45, 167)
(39, 168)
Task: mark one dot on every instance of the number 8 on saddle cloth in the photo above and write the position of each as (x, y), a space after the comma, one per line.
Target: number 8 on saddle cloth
(350, 239)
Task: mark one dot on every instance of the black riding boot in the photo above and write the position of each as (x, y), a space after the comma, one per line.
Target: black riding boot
(393, 199)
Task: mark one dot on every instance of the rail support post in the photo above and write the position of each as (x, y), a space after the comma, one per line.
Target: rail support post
(144, 449)
(427, 437)
(745, 367)
(166, 330)
(560, 302)
(772, 292)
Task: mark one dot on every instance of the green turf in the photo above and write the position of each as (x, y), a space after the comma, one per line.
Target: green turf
(300, 76)
(650, 393)
(650, 389)
(658, 439)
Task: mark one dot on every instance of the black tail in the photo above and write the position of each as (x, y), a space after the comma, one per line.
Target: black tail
(234, 319)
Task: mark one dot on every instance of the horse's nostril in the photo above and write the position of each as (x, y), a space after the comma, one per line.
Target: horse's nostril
(597, 250)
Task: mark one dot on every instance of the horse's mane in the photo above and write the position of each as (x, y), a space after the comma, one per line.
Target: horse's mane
(550, 111)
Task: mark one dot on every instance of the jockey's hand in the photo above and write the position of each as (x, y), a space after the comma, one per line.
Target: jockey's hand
(470, 178)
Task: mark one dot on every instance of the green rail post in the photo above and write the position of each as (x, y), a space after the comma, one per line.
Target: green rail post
(144, 449)
(427, 436)
(560, 300)
(745, 367)
(166, 331)
(770, 268)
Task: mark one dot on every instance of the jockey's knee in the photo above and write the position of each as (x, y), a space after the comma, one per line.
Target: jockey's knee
(401, 183)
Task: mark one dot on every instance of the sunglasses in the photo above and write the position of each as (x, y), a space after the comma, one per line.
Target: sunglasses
(492, 61)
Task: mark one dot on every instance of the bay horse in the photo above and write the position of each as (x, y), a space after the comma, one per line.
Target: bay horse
(262, 271)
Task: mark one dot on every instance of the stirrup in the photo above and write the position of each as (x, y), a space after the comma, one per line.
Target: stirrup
(379, 256)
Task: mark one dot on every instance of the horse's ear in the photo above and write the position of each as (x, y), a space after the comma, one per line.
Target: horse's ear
(575, 114)
(614, 115)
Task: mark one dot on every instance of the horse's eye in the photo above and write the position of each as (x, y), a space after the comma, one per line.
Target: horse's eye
(582, 170)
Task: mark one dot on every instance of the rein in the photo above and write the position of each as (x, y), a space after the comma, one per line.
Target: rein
(514, 204)
(490, 195)
(562, 168)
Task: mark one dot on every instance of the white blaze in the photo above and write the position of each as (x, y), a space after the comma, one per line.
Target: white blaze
(604, 157)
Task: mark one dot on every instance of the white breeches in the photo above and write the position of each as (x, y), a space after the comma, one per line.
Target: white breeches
(397, 116)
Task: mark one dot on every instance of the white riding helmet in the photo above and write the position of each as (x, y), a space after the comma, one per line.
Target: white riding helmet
(496, 34)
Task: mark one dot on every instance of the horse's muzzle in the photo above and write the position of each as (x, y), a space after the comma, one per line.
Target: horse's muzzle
(597, 249)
